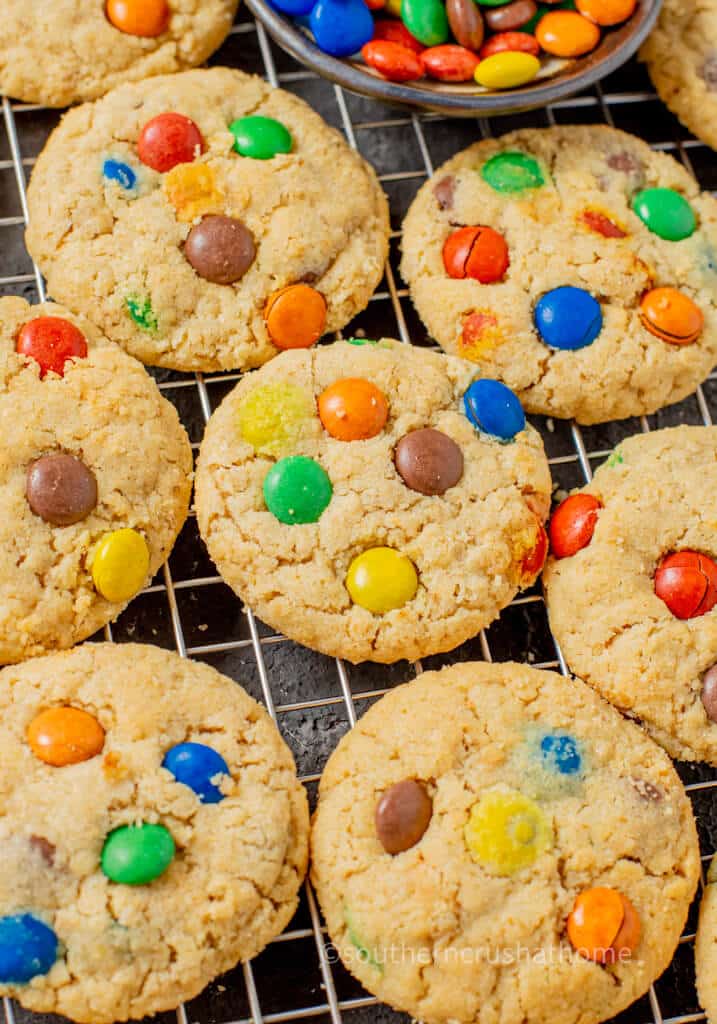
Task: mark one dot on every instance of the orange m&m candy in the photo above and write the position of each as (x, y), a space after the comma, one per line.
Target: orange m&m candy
(477, 252)
(353, 409)
(65, 735)
(671, 315)
(295, 316)
(567, 34)
(573, 524)
(148, 18)
(603, 925)
(606, 12)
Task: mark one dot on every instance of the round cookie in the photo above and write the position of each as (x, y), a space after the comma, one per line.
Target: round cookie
(572, 263)
(681, 56)
(194, 218)
(631, 585)
(96, 479)
(348, 497)
(706, 947)
(152, 828)
(56, 54)
(548, 853)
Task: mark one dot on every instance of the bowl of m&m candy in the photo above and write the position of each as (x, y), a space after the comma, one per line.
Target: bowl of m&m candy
(461, 57)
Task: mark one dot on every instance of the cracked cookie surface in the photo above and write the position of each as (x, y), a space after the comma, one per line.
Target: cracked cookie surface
(681, 57)
(119, 255)
(442, 933)
(68, 50)
(706, 947)
(468, 546)
(133, 950)
(656, 496)
(572, 225)
(107, 412)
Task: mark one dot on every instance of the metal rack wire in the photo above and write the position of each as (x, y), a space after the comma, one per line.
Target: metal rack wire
(315, 699)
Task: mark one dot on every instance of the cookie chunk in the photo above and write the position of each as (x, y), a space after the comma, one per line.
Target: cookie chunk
(706, 947)
(195, 219)
(572, 263)
(681, 56)
(96, 479)
(631, 585)
(524, 850)
(152, 829)
(371, 500)
(56, 54)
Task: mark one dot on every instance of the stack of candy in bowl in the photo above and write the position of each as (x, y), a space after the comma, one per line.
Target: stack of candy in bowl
(495, 44)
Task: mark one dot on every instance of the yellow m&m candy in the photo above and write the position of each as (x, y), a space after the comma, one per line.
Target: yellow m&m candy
(192, 191)
(120, 565)
(507, 69)
(381, 579)
(272, 417)
(507, 831)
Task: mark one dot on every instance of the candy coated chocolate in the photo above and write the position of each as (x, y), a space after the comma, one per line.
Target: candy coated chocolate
(341, 27)
(687, 582)
(493, 409)
(137, 854)
(28, 948)
(466, 23)
(445, 190)
(478, 252)
(297, 490)
(145, 18)
(381, 580)
(511, 16)
(61, 736)
(573, 524)
(426, 20)
(568, 318)
(220, 249)
(61, 489)
(353, 409)
(402, 815)
(671, 315)
(195, 765)
(394, 61)
(709, 693)
(666, 213)
(51, 341)
(167, 140)
(429, 461)
(512, 171)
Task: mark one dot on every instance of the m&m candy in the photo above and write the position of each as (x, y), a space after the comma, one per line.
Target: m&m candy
(477, 252)
(220, 249)
(426, 20)
(603, 925)
(466, 23)
(666, 213)
(120, 565)
(65, 735)
(606, 12)
(353, 409)
(512, 171)
(60, 489)
(120, 173)
(51, 341)
(687, 582)
(199, 767)
(341, 27)
(449, 63)
(533, 562)
(507, 70)
(167, 140)
(28, 948)
(381, 580)
(507, 831)
(148, 18)
(510, 16)
(394, 61)
(514, 42)
(273, 416)
(192, 190)
(295, 316)
(671, 315)
(493, 409)
(260, 138)
(573, 524)
(429, 461)
(137, 854)
(568, 318)
(566, 34)
(561, 752)
(709, 693)
(297, 490)
(403, 813)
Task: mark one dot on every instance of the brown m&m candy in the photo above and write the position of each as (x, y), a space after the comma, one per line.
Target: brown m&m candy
(429, 461)
(402, 815)
(709, 693)
(220, 249)
(510, 17)
(61, 489)
(445, 191)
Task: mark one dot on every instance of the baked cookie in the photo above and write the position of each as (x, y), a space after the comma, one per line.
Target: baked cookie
(681, 56)
(574, 264)
(523, 855)
(71, 50)
(631, 585)
(195, 218)
(95, 483)
(369, 501)
(706, 947)
(152, 828)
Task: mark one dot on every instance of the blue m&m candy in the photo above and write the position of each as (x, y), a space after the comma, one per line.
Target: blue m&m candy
(494, 409)
(568, 318)
(561, 752)
(341, 27)
(121, 173)
(195, 765)
(28, 948)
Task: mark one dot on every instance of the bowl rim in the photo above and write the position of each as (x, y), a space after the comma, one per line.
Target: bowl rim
(537, 94)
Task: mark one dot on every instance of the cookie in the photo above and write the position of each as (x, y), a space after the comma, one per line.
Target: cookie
(631, 585)
(525, 855)
(96, 478)
(572, 263)
(371, 501)
(195, 218)
(56, 54)
(681, 57)
(706, 947)
(152, 828)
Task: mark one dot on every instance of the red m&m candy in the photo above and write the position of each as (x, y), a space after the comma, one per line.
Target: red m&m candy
(168, 140)
(396, 32)
(394, 61)
(687, 582)
(449, 63)
(514, 42)
(573, 524)
(477, 252)
(51, 341)
(534, 561)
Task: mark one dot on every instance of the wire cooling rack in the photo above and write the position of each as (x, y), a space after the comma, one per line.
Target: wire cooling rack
(315, 699)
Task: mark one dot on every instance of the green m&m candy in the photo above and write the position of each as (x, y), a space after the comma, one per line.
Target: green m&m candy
(297, 490)
(137, 854)
(512, 172)
(426, 20)
(665, 212)
(260, 138)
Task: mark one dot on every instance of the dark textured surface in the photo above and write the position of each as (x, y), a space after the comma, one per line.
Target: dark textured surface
(199, 613)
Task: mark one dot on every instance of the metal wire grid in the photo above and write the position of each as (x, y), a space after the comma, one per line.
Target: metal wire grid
(294, 980)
